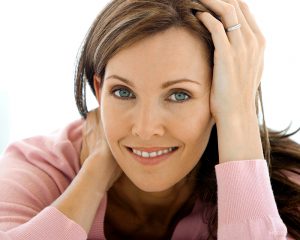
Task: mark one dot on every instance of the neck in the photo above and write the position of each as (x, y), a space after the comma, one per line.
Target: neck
(150, 206)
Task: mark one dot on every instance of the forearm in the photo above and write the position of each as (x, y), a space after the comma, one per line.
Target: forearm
(239, 138)
(81, 199)
(246, 203)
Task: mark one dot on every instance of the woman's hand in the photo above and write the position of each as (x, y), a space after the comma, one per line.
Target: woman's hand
(238, 58)
(238, 66)
(99, 170)
(95, 155)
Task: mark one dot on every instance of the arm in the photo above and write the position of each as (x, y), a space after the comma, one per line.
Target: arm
(33, 173)
(239, 138)
(36, 171)
(247, 207)
(81, 199)
(26, 191)
(98, 172)
(246, 204)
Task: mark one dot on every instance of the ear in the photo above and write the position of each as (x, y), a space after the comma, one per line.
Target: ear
(96, 82)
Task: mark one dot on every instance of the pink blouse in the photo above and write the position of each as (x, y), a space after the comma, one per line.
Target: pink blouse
(36, 171)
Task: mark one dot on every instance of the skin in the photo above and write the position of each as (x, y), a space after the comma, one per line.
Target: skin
(148, 119)
(155, 117)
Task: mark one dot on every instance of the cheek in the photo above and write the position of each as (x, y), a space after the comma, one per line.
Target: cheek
(115, 124)
(193, 122)
(112, 124)
(195, 134)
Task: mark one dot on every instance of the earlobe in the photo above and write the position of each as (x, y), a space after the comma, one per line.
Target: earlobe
(96, 82)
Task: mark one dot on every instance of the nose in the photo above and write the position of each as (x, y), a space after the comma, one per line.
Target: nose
(148, 122)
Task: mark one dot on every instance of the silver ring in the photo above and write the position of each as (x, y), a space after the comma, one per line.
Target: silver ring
(234, 27)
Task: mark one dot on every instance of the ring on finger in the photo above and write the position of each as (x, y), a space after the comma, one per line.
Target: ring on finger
(234, 27)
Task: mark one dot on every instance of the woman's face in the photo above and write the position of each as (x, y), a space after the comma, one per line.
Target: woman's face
(152, 111)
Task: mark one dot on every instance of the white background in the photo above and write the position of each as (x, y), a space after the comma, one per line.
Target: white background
(39, 41)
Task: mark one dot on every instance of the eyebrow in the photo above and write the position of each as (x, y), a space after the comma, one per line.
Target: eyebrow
(164, 85)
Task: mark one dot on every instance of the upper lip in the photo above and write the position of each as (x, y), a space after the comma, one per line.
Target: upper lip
(151, 149)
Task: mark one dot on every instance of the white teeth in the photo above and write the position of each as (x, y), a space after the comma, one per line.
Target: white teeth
(145, 154)
(152, 154)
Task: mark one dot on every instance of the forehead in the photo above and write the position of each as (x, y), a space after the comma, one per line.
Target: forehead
(173, 53)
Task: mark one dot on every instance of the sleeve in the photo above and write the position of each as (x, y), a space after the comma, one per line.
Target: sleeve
(246, 205)
(33, 173)
(50, 223)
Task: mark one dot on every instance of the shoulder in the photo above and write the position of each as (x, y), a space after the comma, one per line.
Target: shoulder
(59, 150)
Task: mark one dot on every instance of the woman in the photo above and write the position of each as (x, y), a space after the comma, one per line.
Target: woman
(178, 84)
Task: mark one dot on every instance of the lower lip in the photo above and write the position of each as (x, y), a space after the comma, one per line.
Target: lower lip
(151, 160)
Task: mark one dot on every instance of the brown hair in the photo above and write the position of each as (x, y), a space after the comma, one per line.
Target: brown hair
(123, 23)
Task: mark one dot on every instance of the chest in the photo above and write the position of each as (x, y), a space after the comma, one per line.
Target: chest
(126, 221)
(146, 233)
(122, 225)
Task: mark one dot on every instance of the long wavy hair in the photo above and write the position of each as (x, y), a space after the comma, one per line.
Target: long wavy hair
(124, 22)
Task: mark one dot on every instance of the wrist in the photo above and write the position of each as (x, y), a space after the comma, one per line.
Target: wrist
(239, 138)
(93, 176)
(236, 117)
(80, 201)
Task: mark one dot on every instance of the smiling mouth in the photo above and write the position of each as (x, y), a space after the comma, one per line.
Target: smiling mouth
(173, 149)
(152, 154)
(152, 158)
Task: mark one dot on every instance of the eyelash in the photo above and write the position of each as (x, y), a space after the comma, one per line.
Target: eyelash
(128, 98)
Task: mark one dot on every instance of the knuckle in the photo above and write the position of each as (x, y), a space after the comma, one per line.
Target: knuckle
(262, 41)
(256, 41)
(243, 5)
(229, 9)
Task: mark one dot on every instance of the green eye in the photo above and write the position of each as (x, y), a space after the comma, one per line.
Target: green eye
(179, 96)
(126, 94)
(122, 93)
